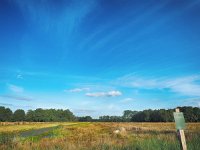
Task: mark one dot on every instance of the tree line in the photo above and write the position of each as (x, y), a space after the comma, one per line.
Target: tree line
(191, 114)
(38, 115)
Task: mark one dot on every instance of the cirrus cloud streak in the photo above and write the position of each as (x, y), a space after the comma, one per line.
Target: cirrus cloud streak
(188, 85)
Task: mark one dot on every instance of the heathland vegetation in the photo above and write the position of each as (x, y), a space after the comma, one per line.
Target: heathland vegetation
(192, 114)
(95, 136)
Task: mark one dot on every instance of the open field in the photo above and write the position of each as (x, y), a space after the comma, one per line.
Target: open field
(96, 136)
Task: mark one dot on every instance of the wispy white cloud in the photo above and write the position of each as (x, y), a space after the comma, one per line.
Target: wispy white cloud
(16, 97)
(127, 100)
(194, 101)
(19, 76)
(104, 94)
(16, 106)
(77, 90)
(15, 88)
(186, 85)
(6, 104)
(189, 85)
(46, 15)
(97, 94)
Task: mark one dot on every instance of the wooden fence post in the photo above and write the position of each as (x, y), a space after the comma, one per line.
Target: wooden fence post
(181, 136)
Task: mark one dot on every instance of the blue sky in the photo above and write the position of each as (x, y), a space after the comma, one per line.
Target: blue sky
(99, 57)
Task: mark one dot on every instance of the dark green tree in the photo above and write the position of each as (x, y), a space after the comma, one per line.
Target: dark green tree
(128, 114)
(5, 114)
(19, 115)
(50, 115)
(30, 115)
(85, 119)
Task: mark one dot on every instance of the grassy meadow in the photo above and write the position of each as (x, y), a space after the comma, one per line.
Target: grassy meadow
(95, 136)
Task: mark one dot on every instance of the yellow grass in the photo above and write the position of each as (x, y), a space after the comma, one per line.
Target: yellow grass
(21, 126)
(75, 136)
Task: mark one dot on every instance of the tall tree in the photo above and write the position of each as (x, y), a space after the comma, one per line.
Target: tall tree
(128, 114)
(19, 115)
(5, 114)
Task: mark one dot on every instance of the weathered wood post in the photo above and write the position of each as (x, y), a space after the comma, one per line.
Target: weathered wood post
(180, 125)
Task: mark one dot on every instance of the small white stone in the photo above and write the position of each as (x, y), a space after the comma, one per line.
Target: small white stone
(116, 131)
